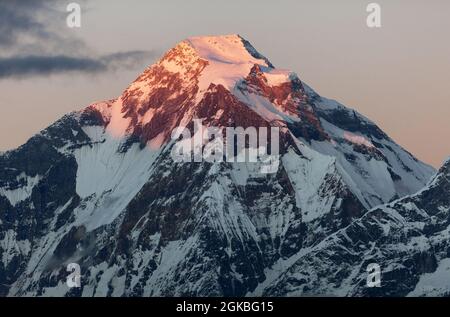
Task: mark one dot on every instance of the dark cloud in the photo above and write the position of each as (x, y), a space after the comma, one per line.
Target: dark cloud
(33, 43)
(43, 65)
(129, 59)
(34, 65)
(28, 23)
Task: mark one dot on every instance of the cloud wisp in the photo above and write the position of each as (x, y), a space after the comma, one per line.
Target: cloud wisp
(39, 65)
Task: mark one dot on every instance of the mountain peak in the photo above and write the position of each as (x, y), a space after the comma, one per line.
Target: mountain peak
(232, 49)
(204, 60)
(216, 39)
(445, 169)
(447, 162)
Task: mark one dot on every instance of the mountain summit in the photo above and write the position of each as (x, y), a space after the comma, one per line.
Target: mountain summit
(100, 187)
(172, 89)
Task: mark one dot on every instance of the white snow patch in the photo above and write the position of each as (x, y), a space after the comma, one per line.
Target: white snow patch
(276, 77)
(229, 60)
(118, 125)
(436, 283)
(306, 176)
(11, 247)
(107, 179)
(20, 194)
(264, 107)
(357, 139)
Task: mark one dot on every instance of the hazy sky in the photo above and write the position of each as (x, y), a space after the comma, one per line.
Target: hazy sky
(397, 75)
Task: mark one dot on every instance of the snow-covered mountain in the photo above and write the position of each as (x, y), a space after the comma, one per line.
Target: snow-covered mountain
(100, 187)
(409, 238)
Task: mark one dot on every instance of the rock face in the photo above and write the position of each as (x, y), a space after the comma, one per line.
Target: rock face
(100, 188)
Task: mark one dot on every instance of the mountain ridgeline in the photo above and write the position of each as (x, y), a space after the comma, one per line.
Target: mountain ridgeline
(100, 188)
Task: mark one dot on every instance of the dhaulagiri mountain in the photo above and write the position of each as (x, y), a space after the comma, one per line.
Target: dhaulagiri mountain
(100, 188)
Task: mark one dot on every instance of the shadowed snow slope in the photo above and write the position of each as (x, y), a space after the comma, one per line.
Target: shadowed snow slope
(409, 238)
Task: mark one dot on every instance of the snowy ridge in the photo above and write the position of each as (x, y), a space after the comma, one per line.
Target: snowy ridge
(228, 59)
(407, 237)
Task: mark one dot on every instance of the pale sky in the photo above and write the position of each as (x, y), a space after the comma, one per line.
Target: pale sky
(397, 75)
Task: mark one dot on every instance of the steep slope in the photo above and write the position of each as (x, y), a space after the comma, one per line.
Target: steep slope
(409, 238)
(101, 188)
